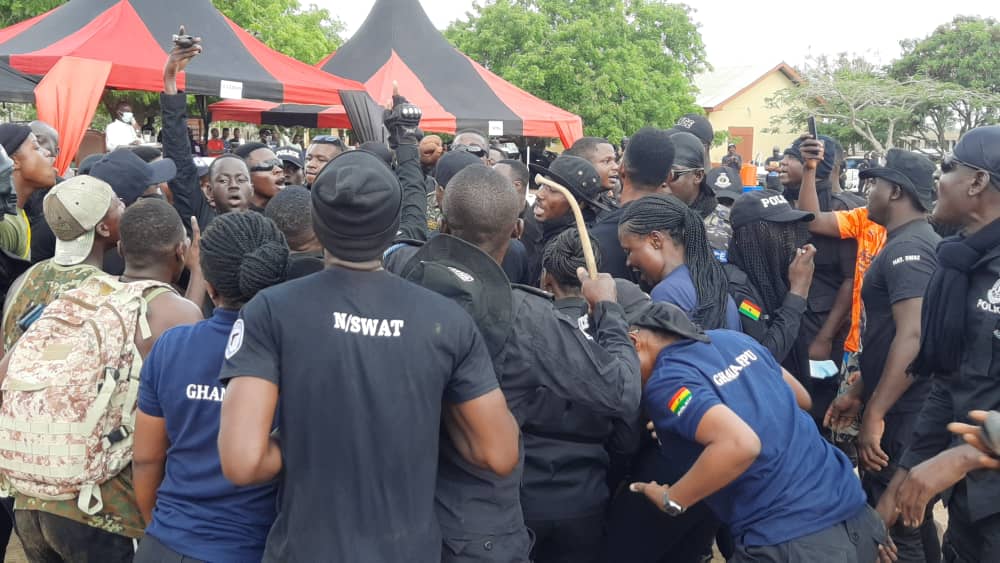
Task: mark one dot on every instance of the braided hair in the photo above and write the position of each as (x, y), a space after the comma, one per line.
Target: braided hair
(564, 254)
(241, 254)
(669, 215)
(764, 250)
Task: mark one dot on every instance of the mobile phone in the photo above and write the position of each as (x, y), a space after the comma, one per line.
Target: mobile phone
(182, 39)
(812, 127)
(991, 432)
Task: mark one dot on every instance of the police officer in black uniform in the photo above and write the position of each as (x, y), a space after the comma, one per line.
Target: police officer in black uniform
(543, 353)
(960, 349)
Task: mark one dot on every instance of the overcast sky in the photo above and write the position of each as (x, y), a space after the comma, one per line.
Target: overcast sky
(765, 31)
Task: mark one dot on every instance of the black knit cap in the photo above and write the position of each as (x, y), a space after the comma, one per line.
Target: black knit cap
(451, 163)
(356, 206)
(667, 317)
(911, 171)
(12, 136)
(980, 147)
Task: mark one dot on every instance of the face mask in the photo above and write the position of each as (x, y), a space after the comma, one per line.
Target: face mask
(127, 117)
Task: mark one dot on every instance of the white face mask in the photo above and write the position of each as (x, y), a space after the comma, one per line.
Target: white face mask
(127, 117)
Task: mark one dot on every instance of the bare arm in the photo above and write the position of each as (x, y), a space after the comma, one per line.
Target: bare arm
(839, 313)
(731, 447)
(802, 397)
(149, 460)
(165, 312)
(484, 432)
(248, 453)
(895, 381)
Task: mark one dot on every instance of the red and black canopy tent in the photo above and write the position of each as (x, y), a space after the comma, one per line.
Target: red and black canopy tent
(398, 42)
(16, 87)
(134, 37)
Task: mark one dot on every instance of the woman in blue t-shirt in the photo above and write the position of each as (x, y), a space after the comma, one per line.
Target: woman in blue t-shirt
(190, 508)
(666, 241)
(726, 411)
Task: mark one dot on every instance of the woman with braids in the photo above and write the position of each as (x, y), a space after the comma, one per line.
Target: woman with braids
(666, 241)
(190, 508)
(770, 273)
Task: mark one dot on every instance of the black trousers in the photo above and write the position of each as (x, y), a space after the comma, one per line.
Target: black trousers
(570, 540)
(638, 532)
(854, 540)
(916, 545)
(48, 538)
(967, 541)
(152, 550)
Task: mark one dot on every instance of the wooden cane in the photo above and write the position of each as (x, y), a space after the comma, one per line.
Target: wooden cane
(588, 251)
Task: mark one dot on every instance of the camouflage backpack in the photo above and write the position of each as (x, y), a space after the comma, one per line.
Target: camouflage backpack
(69, 398)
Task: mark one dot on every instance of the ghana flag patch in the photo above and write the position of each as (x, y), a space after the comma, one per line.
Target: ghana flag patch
(680, 401)
(748, 309)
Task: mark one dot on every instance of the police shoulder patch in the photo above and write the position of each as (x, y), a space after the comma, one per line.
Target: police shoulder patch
(235, 339)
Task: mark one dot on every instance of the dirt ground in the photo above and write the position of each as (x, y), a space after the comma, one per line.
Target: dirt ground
(16, 555)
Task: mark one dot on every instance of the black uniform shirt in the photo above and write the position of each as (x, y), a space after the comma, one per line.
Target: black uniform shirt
(900, 271)
(975, 386)
(362, 361)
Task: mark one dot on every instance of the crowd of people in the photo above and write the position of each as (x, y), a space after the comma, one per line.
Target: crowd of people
(404, 352)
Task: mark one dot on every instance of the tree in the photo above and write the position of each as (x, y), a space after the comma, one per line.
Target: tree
(619, 64)
(305, 33)
(963, 53)
(854, 94)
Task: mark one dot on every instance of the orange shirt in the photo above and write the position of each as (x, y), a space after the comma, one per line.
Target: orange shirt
(855, 224)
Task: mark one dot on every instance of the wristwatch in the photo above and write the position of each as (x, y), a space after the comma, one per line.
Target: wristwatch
(670, 507)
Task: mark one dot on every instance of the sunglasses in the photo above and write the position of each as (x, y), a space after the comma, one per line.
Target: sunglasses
(267, 165)
(950, 163)
(328, 140)
(471, 149)
(682, 171)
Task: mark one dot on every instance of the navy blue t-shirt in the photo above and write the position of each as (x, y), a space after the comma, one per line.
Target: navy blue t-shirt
(798, 485)
(363, 362)
(198, 512)
(678, 289)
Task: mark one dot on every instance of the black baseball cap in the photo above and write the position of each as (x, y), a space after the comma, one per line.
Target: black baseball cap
(765, 205)
(667, 317)
(726, 183)
(911, 171)
(451, 163)
(699, 126)
(465, 274)
(356, 206)
(290, 155)
(130, 175)
(980, 148)
(577, 175)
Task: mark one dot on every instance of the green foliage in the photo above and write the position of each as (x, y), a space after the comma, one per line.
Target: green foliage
(13, 11)
(619, 64)
(963, 52)
(307, 34)
(851, 95)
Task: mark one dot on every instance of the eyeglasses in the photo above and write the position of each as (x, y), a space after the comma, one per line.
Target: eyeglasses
(267, 165)
(471, 149)
(678, 172)
(949, 163)
(328, 140)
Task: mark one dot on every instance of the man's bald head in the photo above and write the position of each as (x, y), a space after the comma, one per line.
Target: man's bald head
(471, 139)
(482, 208)
(48, 137)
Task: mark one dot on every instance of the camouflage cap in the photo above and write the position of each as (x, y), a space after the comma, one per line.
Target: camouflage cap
(73, 209)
